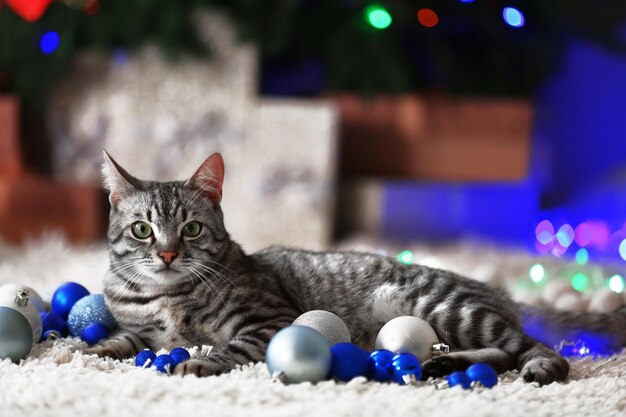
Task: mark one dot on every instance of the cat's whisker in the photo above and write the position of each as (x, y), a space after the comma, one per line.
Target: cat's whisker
(213, 272)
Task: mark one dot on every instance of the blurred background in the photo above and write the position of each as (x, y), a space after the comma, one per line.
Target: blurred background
(479, 126)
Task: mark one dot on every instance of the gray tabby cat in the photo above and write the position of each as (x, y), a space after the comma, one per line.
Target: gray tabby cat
(177, 279)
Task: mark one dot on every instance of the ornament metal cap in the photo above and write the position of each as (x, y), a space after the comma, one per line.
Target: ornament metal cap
(440, 349)
(279, 376)
(22, 296)
(409, 379)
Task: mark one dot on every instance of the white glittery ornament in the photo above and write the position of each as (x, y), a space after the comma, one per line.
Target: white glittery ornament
(33, 297)
(327, 323)
(18, 301)
(407, 334)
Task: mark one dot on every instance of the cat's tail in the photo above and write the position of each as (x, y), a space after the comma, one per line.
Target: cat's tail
(551, 326)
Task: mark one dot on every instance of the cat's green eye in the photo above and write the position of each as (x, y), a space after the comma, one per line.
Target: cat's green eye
(141, 230)
(192, 229)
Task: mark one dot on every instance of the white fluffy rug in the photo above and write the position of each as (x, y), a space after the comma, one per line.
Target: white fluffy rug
(57, 379)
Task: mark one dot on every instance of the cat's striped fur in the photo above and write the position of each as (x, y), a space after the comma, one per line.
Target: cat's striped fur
(213, 293)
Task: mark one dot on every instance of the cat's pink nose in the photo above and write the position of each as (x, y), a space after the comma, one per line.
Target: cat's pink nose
(168, 257)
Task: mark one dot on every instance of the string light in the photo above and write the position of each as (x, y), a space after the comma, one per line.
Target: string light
(582, 256)
(537, 273)
(580, 282)
(405, 257)
(427, 17)
(378, 16)
(49, 42)
(616, 284)
(513, 17)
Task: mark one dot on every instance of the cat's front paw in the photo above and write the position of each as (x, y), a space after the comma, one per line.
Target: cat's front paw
(106, 351)
(545, 370)
(198, 368)
(439, 366)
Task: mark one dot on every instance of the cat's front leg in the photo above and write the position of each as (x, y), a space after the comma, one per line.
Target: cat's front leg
(121, 345)
(242, 349)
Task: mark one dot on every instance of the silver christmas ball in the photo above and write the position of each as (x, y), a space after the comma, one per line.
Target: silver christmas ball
(407, 334)
(16, 335)
(298, 354)
(327, 323)
(20, 301)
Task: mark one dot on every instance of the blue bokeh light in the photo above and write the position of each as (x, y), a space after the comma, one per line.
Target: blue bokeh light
(513, 17)
(467, 1)
(49, 42)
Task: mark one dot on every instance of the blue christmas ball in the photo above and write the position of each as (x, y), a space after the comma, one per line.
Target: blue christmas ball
(482, 373)
(65, 297)
(405, 364)
(51, 321)
(145, 358)
(89, 310)
(379, 366)
(179, 355)
(94, 333)
(459, 378)
(164, 363)
(348, 361)
(16, 335)
(300, 354)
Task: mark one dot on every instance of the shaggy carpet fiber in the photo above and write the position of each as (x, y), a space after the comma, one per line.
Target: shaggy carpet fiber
(57, 379)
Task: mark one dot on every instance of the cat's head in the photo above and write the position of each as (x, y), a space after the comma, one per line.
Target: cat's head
(165, 231)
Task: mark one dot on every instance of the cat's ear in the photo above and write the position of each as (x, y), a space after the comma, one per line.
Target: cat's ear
(209, 177)
(117, 181)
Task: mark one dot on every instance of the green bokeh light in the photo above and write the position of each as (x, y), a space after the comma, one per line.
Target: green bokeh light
(582, 256)
(405, 257)
(616, 284)
(580, 282)
(378, 16)
(537, 273)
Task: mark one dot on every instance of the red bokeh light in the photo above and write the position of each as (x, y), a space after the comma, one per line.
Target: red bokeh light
(427, 17)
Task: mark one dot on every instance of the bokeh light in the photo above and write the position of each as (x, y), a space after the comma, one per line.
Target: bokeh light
(580, 282)
(405, 257)
(513, 17)
(378, 16)
(582, 256)
(582, 235)
(49, 42)
(600, 234)
(622, 249)
(544, 232)
(537, 273)
(616, 283)
(427, 17)
(565, 235)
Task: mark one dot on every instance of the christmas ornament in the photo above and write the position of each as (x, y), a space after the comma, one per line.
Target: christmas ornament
(406, 368)
(94, 333)
(52, 322)
(89, 310)
(483, 374)
(348, 361)
(179, 355)
(33, 297)
(66, 296)
(164, 363)
(459, 378)
(16, 335)
(327, 323)
(29, 10)
(145, 358)
(297, 354)
(407, 334)
(51, 335)
(19, 301)
(379, 366)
